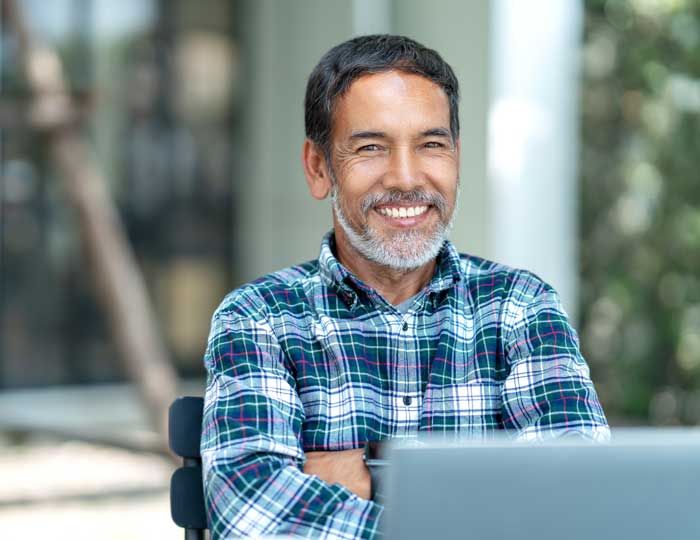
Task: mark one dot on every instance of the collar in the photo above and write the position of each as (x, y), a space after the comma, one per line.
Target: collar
(448, 272)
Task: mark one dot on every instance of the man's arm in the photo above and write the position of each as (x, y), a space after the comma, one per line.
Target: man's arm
(251, 441)
(548, 392)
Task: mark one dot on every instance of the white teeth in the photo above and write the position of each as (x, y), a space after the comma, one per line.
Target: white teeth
(403, 211)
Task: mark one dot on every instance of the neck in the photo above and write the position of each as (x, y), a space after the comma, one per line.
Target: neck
(395, 286)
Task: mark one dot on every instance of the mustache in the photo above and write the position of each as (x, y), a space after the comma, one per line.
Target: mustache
(414, 196)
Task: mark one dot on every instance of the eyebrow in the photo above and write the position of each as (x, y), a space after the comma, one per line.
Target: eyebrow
(437, 132)
(368, 135)
(433, 132)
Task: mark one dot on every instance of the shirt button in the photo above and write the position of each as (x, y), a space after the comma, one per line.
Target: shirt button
(405, 326)
(407, 400)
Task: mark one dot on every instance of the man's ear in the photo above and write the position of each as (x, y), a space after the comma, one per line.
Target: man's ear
(316, 170)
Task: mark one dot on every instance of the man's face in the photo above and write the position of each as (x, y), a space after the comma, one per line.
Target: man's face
(395, 169)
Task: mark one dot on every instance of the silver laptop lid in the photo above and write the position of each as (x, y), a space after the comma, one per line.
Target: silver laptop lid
(644, 485)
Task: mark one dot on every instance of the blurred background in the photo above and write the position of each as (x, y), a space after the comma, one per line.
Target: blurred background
(181, 121)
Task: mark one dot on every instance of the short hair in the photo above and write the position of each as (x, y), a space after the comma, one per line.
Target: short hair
(347, 62)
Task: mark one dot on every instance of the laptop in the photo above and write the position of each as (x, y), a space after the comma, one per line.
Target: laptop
(644, 485)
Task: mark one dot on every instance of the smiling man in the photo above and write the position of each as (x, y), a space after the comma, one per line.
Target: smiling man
(391, 332)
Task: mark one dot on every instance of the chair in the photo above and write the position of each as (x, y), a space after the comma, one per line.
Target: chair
(186, 490)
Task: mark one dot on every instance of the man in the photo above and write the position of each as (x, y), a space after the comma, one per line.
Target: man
(390, 332)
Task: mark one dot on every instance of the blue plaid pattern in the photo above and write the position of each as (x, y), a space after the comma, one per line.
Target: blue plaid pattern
(310, 358)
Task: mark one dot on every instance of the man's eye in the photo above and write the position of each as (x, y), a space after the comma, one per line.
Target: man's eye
(369, 148)
(434, 144)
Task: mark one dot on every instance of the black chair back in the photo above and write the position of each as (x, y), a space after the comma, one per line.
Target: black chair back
(186, 490)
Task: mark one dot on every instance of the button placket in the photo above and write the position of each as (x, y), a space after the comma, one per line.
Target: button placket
(408, 400)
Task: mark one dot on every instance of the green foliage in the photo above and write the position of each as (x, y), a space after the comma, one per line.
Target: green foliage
(640, 194)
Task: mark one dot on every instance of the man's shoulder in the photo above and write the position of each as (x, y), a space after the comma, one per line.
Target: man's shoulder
(268, 293)
(484, 278)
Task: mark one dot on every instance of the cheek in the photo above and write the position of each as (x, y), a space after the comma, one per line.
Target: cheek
(440, 165)
(363, 171)
(447, 163)
(356, 180)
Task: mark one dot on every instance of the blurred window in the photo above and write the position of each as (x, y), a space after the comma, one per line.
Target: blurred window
(157, 80)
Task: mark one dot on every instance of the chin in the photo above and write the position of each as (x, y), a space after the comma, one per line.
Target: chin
(405, 250)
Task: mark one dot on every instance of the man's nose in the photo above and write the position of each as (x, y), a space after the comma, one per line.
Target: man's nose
(404, 170)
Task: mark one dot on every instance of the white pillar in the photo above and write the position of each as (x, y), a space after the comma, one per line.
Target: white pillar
(533, 136)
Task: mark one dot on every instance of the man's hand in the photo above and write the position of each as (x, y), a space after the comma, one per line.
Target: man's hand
(344, 467)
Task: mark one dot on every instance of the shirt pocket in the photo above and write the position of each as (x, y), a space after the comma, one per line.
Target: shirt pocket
(470, 408)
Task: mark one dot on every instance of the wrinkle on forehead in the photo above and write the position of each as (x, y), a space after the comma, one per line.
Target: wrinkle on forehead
(395, 83)
(379, 99)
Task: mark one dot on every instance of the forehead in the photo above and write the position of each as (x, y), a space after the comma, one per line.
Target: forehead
(392, 99)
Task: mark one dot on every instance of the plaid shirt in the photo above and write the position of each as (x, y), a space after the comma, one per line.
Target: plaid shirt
(310, 358)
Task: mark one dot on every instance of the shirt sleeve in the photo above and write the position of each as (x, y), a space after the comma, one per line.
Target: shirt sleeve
(548, 392)
(252, 454)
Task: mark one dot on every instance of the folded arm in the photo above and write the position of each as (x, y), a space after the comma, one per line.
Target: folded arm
(548, 392)
(252, 455)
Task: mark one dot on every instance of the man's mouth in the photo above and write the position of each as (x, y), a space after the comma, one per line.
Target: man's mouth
(402, 211)
(404, 216)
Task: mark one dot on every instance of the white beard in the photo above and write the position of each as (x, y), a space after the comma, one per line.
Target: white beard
(405, 250)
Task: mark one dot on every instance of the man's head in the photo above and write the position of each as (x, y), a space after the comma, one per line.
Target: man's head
(382, 138)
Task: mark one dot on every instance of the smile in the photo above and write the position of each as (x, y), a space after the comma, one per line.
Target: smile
(402, 211)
